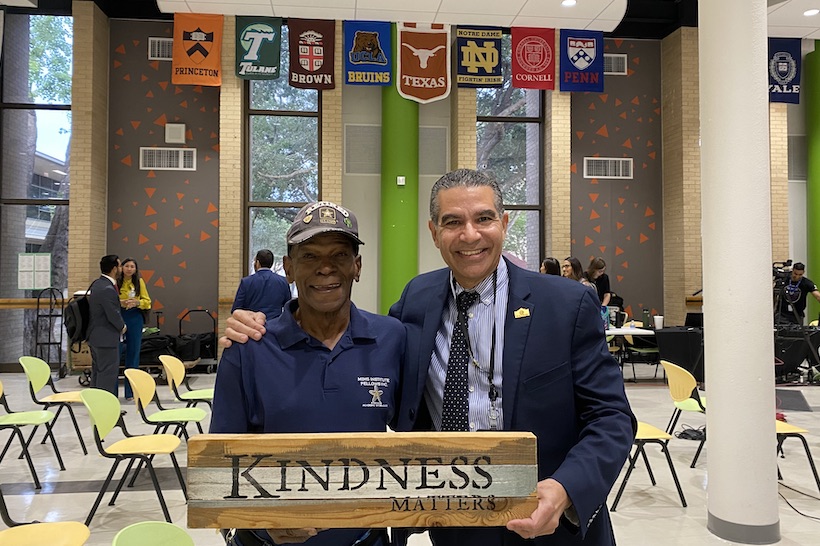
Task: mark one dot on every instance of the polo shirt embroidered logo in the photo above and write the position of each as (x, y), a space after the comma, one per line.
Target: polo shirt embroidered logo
(376, 387)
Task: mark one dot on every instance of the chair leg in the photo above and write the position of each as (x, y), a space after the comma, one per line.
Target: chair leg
(28, 457)
(673, 421)
(179, 476)
(700, 448)
(102, 491)
(648, 466)
(672, 470)
(8, 444)
(626, 476)
(56, 449)
(121, 482)
(157, 489)
(811, 461)
(77, 428)
(199, 427)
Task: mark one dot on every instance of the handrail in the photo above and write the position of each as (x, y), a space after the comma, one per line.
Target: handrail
(18, 303)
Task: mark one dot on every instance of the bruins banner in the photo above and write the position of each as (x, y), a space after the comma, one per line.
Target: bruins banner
(478, 50)
(258, 42)
(424, 61)
(312, 46)
(368, 53)
(197, 49)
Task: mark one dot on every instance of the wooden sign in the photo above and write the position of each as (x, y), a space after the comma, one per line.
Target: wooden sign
(349, 480)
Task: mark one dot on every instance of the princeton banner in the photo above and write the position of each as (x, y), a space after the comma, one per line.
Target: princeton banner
(582, 61)
(478, 54)
(368, 479)
(423, 61)
(197, 58)
(368, 53)
(784, 70)
(312, 46)
(533, 58)
(258, 44)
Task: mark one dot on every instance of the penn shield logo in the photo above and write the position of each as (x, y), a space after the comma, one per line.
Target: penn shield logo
(581, 52)
(198, 44)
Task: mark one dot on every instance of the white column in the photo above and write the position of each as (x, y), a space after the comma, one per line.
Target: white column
(737, 248)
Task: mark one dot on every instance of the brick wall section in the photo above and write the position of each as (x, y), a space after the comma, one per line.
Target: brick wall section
(779, 159)
(89, 142)
(462, 129)
(332, 154)
(558, 163)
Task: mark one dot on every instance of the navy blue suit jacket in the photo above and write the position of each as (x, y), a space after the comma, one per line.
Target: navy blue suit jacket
(559, 382)
(263, 291)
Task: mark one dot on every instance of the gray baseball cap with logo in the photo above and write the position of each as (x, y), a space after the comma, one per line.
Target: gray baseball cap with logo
(322, 217)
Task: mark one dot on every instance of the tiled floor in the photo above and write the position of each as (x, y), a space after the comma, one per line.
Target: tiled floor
(646, 515)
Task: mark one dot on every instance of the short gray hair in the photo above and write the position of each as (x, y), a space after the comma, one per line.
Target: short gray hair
(464, 178)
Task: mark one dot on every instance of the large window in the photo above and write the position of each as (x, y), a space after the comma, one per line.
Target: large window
(509, 137)
(284, 131)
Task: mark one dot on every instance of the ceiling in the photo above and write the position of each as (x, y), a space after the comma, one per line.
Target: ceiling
(618, 18)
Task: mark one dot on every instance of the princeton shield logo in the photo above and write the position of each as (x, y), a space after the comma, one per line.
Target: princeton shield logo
(198, 44)
(311, 51)
(581, 52)
(424, 62)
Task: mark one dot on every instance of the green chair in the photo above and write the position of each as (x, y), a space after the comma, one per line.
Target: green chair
(63, 533)
(145, 388)
(15, 421)
(104, 410)
(175, 372)
(155, 533)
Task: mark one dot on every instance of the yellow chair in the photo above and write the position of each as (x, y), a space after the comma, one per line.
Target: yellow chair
(64, 533)
(785, 430)
(38, 373)
(175, 372)
(155, 533)
(648, 434)
(145, 388)
(15, 421)
(683, 388)
(104, 410)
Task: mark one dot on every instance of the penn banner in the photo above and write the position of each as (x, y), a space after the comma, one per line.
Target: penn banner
(368, 53)
(784, 70)
(197, 58)
(423, 61)
(258, 43)
(478, 54)
(533, 58)
(312, 47)
(582, 61)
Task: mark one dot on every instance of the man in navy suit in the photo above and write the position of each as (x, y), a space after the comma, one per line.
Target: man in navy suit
(263, 291)
(105, 326)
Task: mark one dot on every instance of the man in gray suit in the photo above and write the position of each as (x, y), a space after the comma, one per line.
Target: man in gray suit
(105, 326)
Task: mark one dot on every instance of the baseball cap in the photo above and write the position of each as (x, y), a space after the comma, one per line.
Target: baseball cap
(322, 217)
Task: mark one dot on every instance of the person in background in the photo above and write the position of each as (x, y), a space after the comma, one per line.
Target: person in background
(263, 291)
(135, 303)
(571, 269)
(551, 266)
(105, 326)
(596, 274)
(794, 295)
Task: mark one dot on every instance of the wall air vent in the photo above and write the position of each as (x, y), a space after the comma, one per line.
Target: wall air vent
(608, 167)
(160, 49)
(168, 159)
(615, 64)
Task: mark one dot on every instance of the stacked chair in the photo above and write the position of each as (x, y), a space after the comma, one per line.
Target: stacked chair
(145, 388)
(175, 372)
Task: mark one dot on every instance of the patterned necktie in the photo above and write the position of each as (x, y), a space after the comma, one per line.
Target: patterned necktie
(455, 409)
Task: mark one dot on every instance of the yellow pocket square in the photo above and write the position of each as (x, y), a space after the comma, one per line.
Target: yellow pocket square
(523, 312)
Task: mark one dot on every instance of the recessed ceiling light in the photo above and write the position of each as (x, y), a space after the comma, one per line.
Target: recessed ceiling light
(568, 3)
(811, 12)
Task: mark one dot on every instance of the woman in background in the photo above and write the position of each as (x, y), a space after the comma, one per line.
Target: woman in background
(134, 300)
(551, 266)
(596, 274)
(572, 270)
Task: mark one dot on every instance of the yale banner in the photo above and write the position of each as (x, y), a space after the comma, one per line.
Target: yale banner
(784, 70)
(312, 47)
(423, 61)
(197, 58)
(349, 480)
(582, 60)
(258, 44)
(368, 53)
(533, 58)
(478, 50)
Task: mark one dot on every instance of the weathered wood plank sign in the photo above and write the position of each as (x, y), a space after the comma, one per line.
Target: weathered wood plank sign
(411, 479)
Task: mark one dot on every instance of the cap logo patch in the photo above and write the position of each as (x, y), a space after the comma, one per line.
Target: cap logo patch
(327, 215)
(308, 218)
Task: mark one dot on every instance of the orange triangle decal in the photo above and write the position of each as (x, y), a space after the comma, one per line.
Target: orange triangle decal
(142, 239)
(621, 200)
(618, 251)
(177, 222)
(150, 94)
(158, 247)
(175, 250)
(187, 235)
(625, 265)
(180, 196)
(602, 248)
(619, 226)
(146, 258)
(627, 143)
(115, 226)
(649, 212)
(644, 238)
(183, 314)
(150, 191)
(602, 131)
(636, 100)
(591, 106)
(619, 277)
(573, 168)
(196, 200)
(652, 155)
(154, 65)
(163, 85)
(597, 229)
(215, 223)
(126, 160)
(604, 97)
(125, 239)
(203, 236)
(153, 225)
(636, 60)
(184, 104)
(587, 241)
(151, 174)
(144, 78)
(160, 283)
(162, 120)
(215, 148)
(594, 196)
(649, 144)
(176, 279)
(135, 124)
(593, 215)
(183, 265)
(149, 210)
(119, 132)
(157, 305)
(618, 102)
(117, 64)
(212, 208)
(618, 42)
(127, 77)
(146, 274)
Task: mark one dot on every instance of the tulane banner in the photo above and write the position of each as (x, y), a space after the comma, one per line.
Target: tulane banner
(784, 70)
(258, 42)
(197, 57)
(533, 60)
(368, 52)
(312, 46)
(478, 50)
(423, 61)
(582, 60)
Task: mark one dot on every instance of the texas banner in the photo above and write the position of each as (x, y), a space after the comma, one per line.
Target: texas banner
(197, 58)
(784, 70)
(533, 58)
(258, 43)
(368, 53)
(582, 61)
(312, 47)
(423, 61)
(478, 54)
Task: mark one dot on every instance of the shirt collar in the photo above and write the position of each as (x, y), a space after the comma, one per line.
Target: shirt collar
(113, 281)
(289, 333)
(485, 287)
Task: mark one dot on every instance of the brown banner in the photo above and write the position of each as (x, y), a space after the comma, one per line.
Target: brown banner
(424, 62)
(312, 44)
(197, 49)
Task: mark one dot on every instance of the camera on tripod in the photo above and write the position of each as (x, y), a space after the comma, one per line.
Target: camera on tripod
(781, 270)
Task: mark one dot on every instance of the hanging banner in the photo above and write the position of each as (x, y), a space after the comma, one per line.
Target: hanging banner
(258, 44)
(423, 61)
(478, 54)
(197, 58)
(533, 58)
(368, 52)
(312, 47)
(582, 60)
(784, 70)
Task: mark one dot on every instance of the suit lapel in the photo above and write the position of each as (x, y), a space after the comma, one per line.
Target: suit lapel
(432, 321)
(516, 331)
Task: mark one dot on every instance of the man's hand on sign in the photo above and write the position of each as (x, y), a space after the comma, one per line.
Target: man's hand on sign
(292, 536)
(552, 502)
(238, 328)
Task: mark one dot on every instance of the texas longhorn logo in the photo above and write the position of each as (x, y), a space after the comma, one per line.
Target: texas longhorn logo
(198, 44)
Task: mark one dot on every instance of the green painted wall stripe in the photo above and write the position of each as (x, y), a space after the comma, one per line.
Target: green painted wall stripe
(810, 93)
